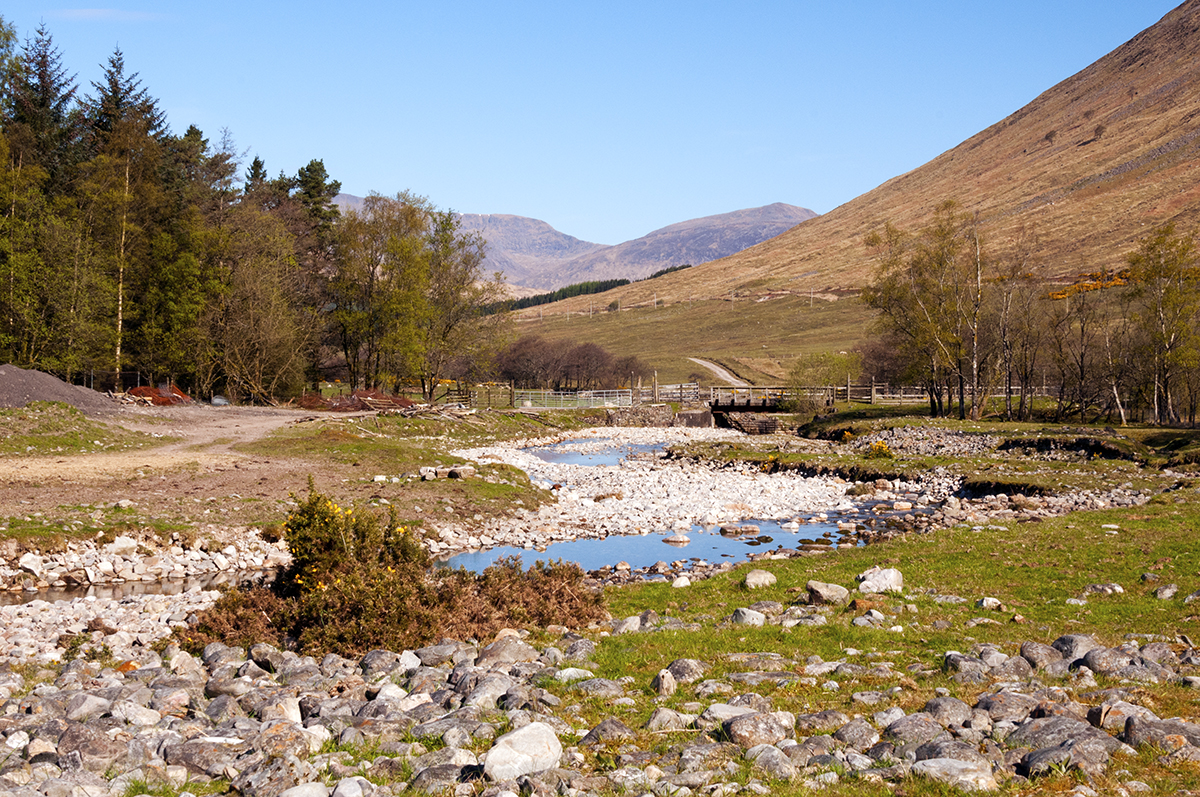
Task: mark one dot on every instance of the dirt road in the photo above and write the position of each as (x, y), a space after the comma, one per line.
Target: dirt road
(720, 372)
(188, 478)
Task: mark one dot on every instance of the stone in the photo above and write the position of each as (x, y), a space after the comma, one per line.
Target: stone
(1074, 646)
(744, 616)
(753, 729)
(664, 683)
(857, 734)
(312, 789)
(757, 579)
(1166, 592)
(665, 719)
(436, 779)
(607, 731)
(821, 594)
(878, 580)
(687, 671)
(531, 749)
(964, 775)
(1007, 706)
(948, 711)
(1106, 660)
(506, 649)
(918, 727)
(772, 761)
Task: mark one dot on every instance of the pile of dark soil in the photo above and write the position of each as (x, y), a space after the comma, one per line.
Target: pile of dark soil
(18, 387)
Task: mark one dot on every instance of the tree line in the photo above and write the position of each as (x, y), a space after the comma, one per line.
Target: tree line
(565, 292)
(967, 324)
(126, 248)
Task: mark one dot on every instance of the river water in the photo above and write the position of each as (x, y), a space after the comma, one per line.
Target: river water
(700, 544)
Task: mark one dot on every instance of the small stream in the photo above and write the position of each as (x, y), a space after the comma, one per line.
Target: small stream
(701, 544)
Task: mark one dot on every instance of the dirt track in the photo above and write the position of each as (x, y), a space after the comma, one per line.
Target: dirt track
(199, 463)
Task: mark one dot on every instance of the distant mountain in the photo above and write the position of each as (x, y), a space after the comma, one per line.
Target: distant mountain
(534, 255)
(688, 242)
(528, 251)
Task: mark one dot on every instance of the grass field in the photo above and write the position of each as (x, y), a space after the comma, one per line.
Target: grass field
(725, 332)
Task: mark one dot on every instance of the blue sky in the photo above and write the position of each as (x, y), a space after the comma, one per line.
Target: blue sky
(605, 119)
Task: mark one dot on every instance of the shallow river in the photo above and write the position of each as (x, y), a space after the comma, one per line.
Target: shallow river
(703, 543)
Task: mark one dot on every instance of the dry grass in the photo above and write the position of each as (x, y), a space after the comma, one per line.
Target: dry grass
(1086, 201)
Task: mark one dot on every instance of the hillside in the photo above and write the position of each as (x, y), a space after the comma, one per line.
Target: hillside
(1086, 168)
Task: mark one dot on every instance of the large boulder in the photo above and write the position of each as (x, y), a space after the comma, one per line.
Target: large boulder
(532, 748)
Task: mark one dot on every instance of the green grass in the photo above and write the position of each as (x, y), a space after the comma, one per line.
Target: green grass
(198, 788)
(54, 428)
(721, 331)
(1031, 568)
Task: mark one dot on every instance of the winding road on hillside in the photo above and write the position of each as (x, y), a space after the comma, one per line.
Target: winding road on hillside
(720, 372)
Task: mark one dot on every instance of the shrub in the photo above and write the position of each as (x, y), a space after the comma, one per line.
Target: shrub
(360, 581)
(240, 618)
(878, 450)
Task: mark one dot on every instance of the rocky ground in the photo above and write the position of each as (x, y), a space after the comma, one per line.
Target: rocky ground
(508, 717)
(512, 717)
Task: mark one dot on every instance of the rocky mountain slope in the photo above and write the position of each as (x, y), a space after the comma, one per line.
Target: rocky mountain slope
(535, 256)
(1083, 171)
(688, 242)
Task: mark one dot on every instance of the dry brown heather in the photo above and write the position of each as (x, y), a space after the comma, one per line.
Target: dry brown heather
(1088, 200)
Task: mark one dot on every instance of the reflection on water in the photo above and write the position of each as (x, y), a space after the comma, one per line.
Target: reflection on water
(592, 451)
(117, 591)
(704, 543)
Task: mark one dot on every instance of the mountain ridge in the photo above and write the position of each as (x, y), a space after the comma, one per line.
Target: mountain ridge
(536, 257)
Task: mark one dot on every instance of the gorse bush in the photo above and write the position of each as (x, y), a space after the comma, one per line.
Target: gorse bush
(361, 581)
(878, 450)
(327, 541)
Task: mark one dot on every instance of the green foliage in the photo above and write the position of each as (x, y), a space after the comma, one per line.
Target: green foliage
(328, 541)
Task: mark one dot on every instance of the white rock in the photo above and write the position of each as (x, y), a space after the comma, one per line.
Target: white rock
(965, 775)
(121, 546)
(533, 748)
(879, 580)
(756, 579)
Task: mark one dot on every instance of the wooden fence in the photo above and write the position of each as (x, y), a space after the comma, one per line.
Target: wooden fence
(500, 396)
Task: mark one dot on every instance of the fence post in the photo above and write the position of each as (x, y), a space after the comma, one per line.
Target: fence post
(656, 387)
(872, 390)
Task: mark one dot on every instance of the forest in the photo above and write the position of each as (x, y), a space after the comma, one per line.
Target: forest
(130, 253)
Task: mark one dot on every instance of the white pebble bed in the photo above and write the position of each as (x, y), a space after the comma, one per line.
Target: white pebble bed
(638, 495)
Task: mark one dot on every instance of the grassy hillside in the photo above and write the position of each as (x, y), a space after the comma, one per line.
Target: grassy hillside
(1081, 173)
(755, 338)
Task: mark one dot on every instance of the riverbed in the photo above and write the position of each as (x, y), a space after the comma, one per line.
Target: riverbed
(620, 498)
